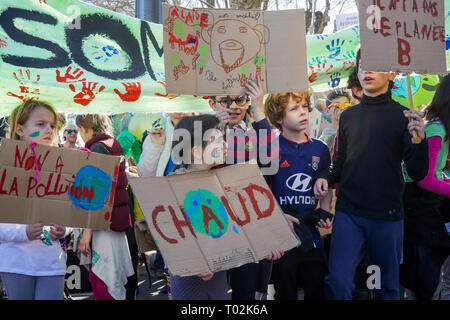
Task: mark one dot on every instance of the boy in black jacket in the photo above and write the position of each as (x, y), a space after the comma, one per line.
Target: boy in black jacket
(374, 138)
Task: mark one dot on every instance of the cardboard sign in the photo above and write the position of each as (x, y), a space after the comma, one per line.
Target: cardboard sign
(405, 36)
(346, 20)
(75, 188)
(215, 51)
(213, 220)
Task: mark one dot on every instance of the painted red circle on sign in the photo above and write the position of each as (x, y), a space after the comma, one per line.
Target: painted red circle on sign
(107, 216)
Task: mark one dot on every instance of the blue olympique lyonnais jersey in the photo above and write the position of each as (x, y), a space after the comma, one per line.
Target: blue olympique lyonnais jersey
(298, 164)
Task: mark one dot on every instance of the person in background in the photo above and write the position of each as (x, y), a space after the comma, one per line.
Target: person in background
(61, 123)
(3, 127)
(337, 101)
(361, 291)
(112, 266)
(354, 86)
(427, 243)
(70, 136)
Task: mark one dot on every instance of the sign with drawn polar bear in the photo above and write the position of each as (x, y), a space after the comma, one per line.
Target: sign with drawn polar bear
(215, 51)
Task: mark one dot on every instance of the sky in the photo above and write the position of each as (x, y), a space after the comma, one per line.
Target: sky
(348, 7)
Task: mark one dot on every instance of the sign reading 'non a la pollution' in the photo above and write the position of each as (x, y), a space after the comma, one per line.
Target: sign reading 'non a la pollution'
(215, 51)
(70, 189)
(213, 220)
(406, 36)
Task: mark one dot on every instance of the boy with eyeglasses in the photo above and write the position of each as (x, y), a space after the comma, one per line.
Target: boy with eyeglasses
(231, 112)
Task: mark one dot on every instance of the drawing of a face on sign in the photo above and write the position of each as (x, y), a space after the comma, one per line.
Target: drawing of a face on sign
(234, 43)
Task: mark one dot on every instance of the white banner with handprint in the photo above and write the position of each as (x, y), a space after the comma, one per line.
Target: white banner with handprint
(85, 59)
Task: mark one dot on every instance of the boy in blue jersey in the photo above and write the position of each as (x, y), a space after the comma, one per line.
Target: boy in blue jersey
(300, 159)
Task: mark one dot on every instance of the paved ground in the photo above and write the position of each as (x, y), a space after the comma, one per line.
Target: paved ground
(153, 292)
(144, 291)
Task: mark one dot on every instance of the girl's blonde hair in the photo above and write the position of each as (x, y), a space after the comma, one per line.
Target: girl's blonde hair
(21, 114)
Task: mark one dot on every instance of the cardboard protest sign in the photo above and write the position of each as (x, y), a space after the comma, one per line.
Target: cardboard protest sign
(215, 51)
(346, 20)
(213, 220)
(405, 36)
(74, 188)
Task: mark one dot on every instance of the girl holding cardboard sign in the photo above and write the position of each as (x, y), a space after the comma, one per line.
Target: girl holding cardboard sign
(111, 266)
(34, 269)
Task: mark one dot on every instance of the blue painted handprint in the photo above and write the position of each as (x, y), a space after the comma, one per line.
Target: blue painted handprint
(108, 51)
(321, 36)
(335, 48)
(335, 79)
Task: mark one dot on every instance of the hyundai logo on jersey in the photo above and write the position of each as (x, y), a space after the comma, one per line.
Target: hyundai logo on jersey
(299, 182)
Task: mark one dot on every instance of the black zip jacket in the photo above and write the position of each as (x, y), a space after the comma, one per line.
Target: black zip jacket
(373, 139)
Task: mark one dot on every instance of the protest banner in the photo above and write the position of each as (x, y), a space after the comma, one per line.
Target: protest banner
(42, 184)
(215, 51)
(86, 59)
(346, 20)
(213, 220)
(83, 59)
(403, 36)
(423, 87)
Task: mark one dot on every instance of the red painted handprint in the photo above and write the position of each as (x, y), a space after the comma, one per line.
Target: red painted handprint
(3, 43)
(347, 65)
(26, 92)
(133, 92)
(70, 77)
(315, 71)
(87, 93)
(168, 96)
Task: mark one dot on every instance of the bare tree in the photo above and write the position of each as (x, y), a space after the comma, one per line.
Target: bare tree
(120, 6)
(317, 11)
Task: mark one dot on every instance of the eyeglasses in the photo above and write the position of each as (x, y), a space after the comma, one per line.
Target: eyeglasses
(71, 131)
(340, 105)
(227, 102)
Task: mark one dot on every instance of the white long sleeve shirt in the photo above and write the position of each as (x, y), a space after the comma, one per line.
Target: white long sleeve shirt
(154, 157)
(20, 255)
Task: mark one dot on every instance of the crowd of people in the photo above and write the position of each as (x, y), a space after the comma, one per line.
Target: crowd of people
(384, 199)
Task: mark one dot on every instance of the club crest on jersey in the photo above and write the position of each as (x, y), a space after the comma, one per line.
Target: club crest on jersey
(315, 162)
